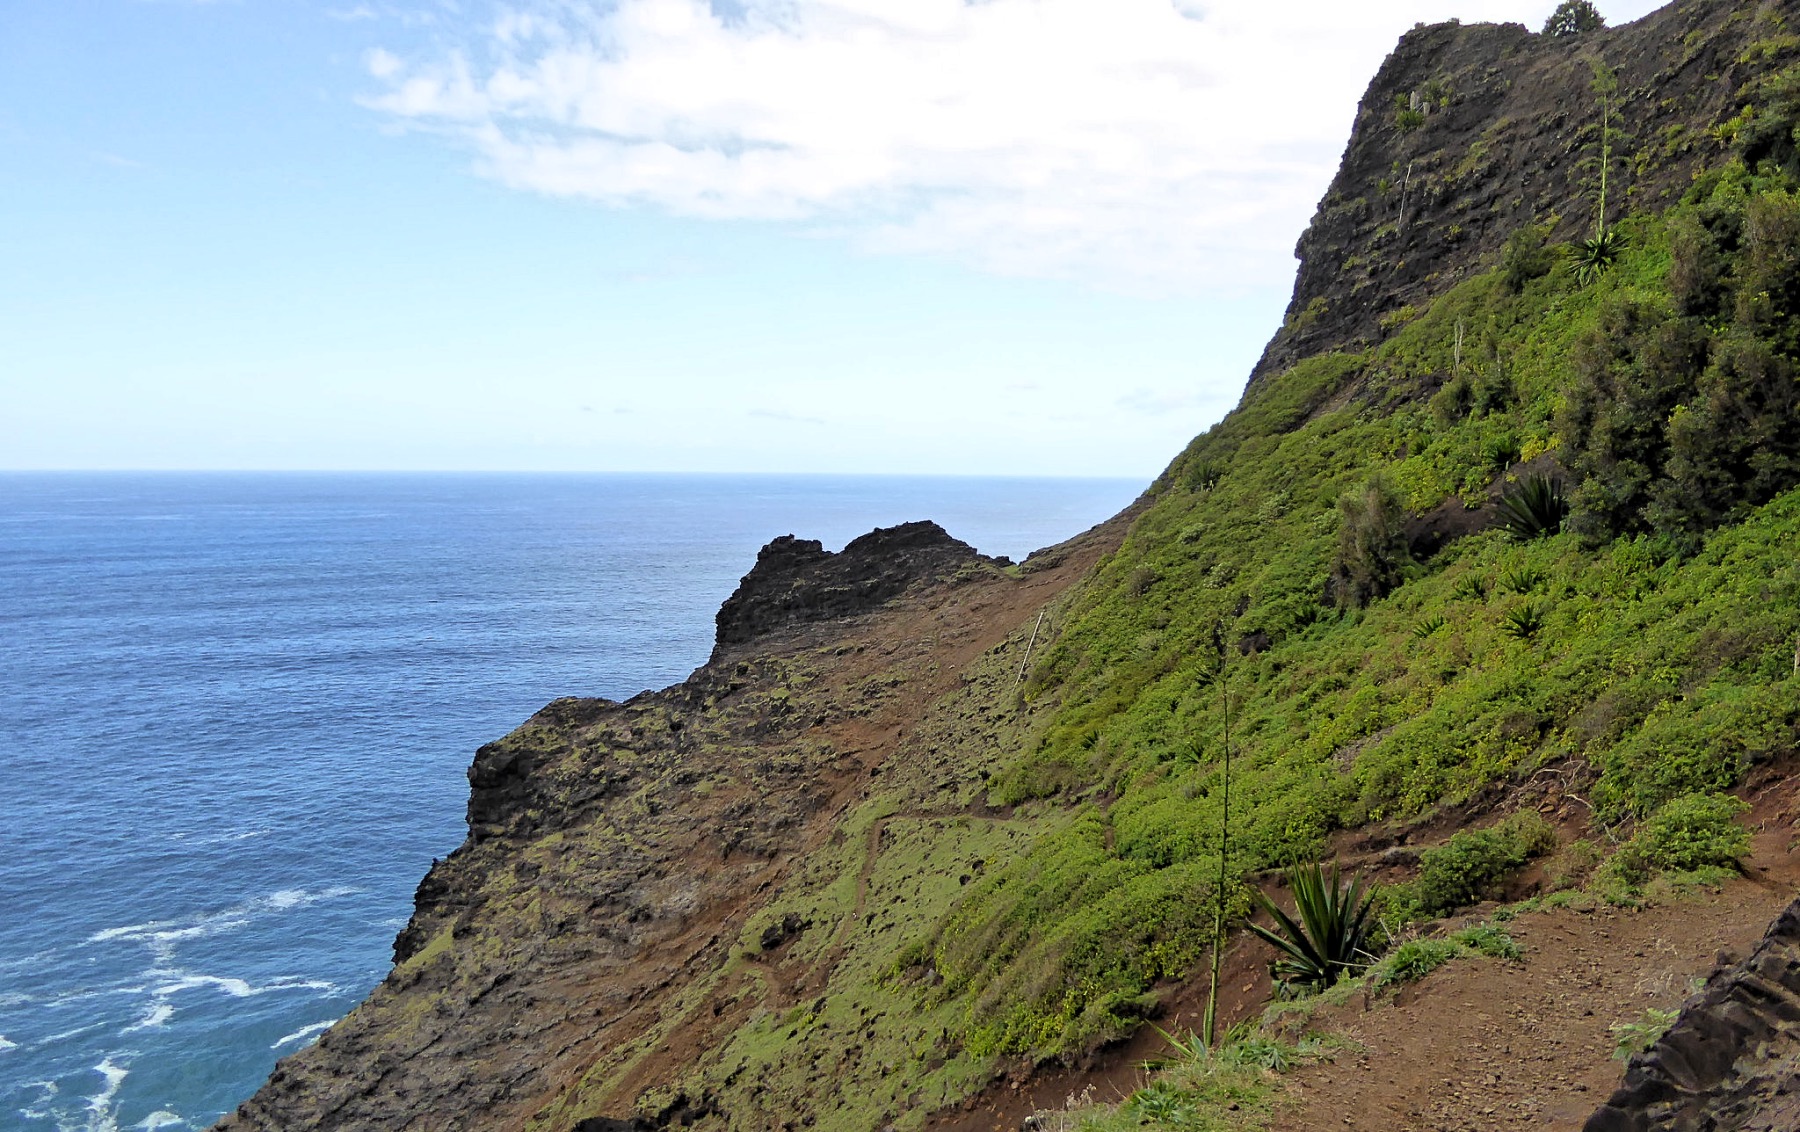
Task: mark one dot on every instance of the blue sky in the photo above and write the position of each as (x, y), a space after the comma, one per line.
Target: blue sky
(1020, 237)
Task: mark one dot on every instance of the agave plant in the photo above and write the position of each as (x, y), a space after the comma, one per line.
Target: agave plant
(1522, 623)
(1473, 587)
(1533, 507)
(1522, 579)
(1593, 256)
(1328, 939)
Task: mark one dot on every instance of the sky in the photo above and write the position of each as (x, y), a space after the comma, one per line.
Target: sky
(1013, 237)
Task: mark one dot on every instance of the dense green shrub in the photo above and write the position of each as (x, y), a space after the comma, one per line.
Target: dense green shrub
(1474, 865)
(1372, 554)
(1769, 135)
(1682, 414)
(1572, 17)
(1701, 742)
(1526, 256)
(1694, 831)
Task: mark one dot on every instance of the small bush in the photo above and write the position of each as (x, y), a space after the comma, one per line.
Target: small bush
(1413, 960)
(1474, 865)
(1527, 256)
(1572, 17)
(1162, 1103)
(1372, 553)
(1633, 1038)
(1489, 940)
(1575, 864)
(1690, 833)
(1428, 626)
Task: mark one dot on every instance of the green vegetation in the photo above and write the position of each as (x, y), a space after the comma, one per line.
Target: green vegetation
(1630, 621)
(1633, 1038)
(1388, 686)
(1330, 938)
(1200, 1088)
(1572, 17)
(1532, 508)
(1475, 865)
(1695, 837)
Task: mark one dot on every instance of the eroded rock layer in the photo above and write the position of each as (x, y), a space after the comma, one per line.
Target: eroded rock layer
(1731, 1061)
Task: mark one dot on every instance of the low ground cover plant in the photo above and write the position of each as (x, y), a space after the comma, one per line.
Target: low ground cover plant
(1474, 865)
(1695, 838)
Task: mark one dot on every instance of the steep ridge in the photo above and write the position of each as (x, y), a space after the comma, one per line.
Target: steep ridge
(926, 820)
(1504, 142)
(600, 927)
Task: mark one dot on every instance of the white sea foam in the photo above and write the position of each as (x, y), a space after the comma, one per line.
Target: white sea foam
(153, 1019)
(158, 1120)
(131, 931)
(101, 1103)
(238, 988)
(301, 1035)
(6, 1045)
(164, 932)
(67, 1034)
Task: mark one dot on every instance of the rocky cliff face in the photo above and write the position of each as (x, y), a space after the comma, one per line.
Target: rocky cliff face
(603, 928)
(1732, 1059)
(1501, 130)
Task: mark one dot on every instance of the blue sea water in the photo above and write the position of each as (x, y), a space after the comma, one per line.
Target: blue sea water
(236, 712)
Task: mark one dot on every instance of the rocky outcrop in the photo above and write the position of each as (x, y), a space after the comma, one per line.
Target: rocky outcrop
(797, 581)
(1732, 1059)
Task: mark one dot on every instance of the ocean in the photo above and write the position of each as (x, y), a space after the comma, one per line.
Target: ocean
(236, 711)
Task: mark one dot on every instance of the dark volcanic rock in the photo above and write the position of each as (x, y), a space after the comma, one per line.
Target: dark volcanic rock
(1732, 1060)
(1506, 140)
(796, 581)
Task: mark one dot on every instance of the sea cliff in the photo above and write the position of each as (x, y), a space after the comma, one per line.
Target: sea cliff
(929, 827)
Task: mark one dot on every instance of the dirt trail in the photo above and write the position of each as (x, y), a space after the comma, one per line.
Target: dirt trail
(1477, 1045)
(1481, 1045)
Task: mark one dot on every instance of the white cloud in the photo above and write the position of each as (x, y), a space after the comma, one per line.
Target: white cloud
(1144, 144)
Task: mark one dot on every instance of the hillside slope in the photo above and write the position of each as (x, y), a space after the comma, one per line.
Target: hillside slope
(924, 818)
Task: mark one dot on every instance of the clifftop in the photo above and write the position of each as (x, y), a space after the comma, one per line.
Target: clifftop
(1505, 139)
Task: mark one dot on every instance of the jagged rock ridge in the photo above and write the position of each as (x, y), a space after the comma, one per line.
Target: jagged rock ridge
(796, 581)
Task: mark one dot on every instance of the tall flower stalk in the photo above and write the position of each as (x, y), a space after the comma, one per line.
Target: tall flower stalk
(1218, 949)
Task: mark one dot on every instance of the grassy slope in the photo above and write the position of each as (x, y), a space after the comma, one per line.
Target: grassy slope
(1655, 675)
(1040, 930)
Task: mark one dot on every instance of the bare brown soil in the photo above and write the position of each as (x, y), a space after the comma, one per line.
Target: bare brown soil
(1479, 1044)
(1487, 1045)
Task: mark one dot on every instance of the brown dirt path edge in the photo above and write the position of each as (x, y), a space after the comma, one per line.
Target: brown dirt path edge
(1481, 1044)
(1478, 1044)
